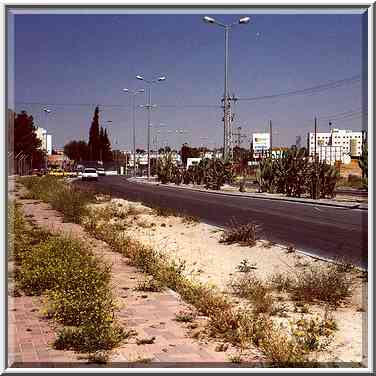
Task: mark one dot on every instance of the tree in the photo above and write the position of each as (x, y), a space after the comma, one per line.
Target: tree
(106, 148)
(23, 135)
(77, 150)
(94, 137)
(188, 152)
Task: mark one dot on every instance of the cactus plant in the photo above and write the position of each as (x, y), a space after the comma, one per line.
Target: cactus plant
(165, 168)
(363, 164)
(265, 175)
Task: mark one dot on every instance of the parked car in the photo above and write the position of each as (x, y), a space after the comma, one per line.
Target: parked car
(90, 174)
(101, 171)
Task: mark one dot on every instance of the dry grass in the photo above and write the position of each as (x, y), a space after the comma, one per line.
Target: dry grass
(246, 234)
(145, 341)
(190, 219)
(330, 284)
(258, 293)
(237, 326)
(150, 285)
(185, 316)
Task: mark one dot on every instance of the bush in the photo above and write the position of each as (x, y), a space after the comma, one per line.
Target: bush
(330, 284)
(77, 287)
(249, 287)
(63, 197)
(246, 234)
(89, 338)
(150, 285)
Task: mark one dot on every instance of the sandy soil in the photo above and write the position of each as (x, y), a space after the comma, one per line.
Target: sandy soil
(215, 263)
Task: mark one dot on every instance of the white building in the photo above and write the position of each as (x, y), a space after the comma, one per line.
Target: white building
(46, 140)
(349, 141)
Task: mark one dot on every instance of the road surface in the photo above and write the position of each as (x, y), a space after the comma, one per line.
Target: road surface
(325, 231)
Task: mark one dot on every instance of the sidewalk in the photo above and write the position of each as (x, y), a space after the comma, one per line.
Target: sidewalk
(150, 314)
(267, 196)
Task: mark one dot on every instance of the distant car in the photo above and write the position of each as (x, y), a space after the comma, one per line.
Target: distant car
(72, 174)
(90, 174)
(101, 171)
(57, 172)
(110, 172)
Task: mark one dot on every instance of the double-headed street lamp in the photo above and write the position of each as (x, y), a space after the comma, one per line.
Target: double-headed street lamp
(46, 111)
(226, 104)
(133, 94)
(149, 107)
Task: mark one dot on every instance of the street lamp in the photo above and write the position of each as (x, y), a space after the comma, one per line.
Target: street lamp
(46, 111)
(149, 107)
(226, 105)
(133, 94)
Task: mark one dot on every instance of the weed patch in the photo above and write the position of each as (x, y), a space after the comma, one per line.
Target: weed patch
(258, 293)
(246, 234)
(68, 199)
(76, 285)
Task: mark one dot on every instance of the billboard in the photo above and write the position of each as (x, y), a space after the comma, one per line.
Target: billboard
(261, 141)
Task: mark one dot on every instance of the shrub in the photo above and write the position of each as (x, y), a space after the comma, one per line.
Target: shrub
(281, 282)
(77, 287)
(328, 284)
(190, 219)
(89, 338)
(251, 288)
(69, 200)
(246, 234)
(185, 316)
(245, 267)
(150, 285)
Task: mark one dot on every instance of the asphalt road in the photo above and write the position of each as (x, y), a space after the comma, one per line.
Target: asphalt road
(322, 230)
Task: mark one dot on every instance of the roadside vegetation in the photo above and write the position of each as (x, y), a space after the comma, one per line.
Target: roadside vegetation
(74, 282)
(242, 326)
(63, 197)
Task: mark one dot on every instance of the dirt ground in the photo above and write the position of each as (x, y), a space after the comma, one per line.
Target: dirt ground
(209, 261)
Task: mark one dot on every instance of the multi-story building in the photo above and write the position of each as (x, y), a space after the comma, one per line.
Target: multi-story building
(45, 138)
(336, 145)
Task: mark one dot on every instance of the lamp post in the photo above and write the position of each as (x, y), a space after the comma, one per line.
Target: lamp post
(158, 130)
(226, 102)
(46, 111)
(133, 94)
(149, 107)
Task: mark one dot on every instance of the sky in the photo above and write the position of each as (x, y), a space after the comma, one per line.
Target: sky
(73, 62)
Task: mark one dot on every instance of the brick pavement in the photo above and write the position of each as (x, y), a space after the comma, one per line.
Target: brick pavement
(150, 314)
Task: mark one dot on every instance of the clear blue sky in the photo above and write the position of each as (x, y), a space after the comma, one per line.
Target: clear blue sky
(88, 59)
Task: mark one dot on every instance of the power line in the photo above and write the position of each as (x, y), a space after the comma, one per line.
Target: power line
(70, 104)
(309, 90)
(306, 91)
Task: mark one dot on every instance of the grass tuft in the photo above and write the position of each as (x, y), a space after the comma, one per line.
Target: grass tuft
(246, 234)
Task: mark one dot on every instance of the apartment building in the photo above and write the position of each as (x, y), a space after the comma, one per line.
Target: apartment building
(338, 144)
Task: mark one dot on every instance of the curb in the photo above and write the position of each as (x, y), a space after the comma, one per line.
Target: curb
(354, 206)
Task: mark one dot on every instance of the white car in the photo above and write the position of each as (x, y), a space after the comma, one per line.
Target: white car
(110, 172)
(90, 174)
(101, 171)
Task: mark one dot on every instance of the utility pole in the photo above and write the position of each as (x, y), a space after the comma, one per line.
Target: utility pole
(239, 136)
(271, 137)
(315, 194)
